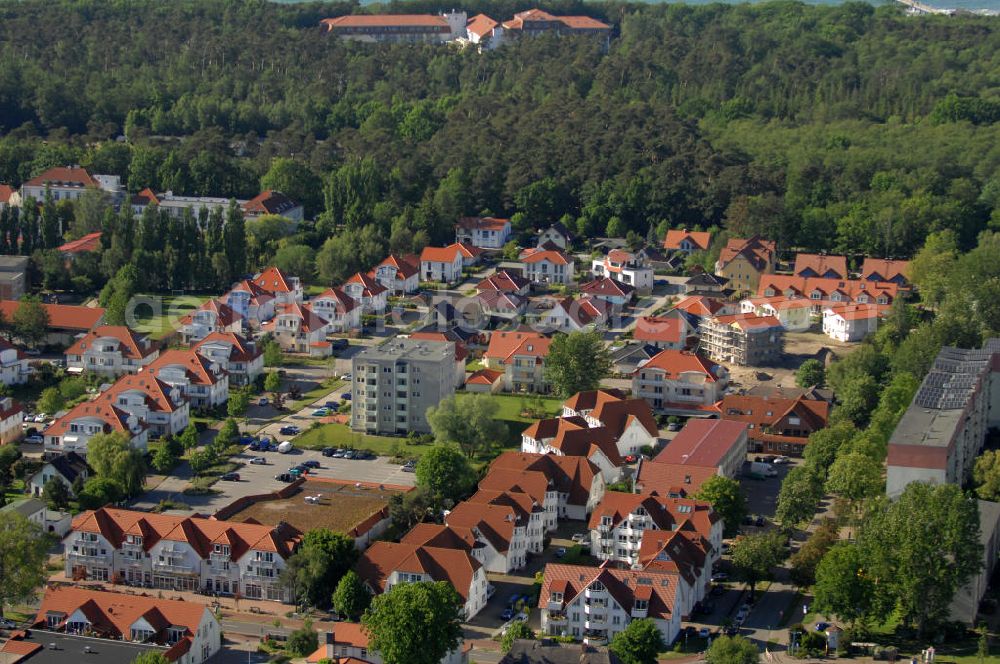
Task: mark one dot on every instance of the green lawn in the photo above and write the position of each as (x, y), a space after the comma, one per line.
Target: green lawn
(517, 411)
(163, 320)
(340, 435)
(314, 394)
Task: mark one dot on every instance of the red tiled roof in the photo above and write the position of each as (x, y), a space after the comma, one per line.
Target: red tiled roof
(200, 532)
(677, 362)
(588, 399)
(6, 191)
(344, 302)
(765, 412)
(674, 238)
(481, 25)
(442, 254)
(445, 537)
(885, 268)
(572, 436)
(661, 477)
(71, 176)
(504, 345)
(747, 322)
(273, 280)
(482, 223)
(758, 251)
(618, 414)
(132, 345)
(664, 329)
(225, 315)
(703, 442)
(384, 20)
(371, 287)
(483, 377)
(310, 321)
(269, 202)
(806, 286)
(404, 268)
(571, 475)
(61, 316)
(820, 264)
(624, 585)
(241, 348)
(113, 417)
(503, 280)
(145, 197)
(20, 648)
(496, 523)
(554, 256)
(860, 311)
(381, 559)
(89, 242)
(113, 614)
(157, 393)
(699, 305)
(607, 286)
(197, 368)
(496, 300)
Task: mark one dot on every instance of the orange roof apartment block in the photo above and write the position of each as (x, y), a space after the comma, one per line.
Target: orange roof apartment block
(776, 425)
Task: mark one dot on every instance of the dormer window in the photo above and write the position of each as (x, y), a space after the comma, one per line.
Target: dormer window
(641, 604)
(175, 634)
(556, 597)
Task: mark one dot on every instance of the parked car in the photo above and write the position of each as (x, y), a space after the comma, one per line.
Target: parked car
(704, 632)
(346, 376)
(231, 477)
(339, 454)
(674, 426)
(329, 451)
(285, 447)
(284, 477)
(731, 630)
(631, 458)
(507, 614)
(35, 438)
(760, 521)
(349, 454)
(409, 467)
(7, 623)
(822, 626)
(247, 440)
(560, 552)
(289, 430)
(311, 463)
(254, 446)
(719, 577)
(258, 461)
(321, 412)
(332, 405)
(365, 455)
(295, 472)
(579, 538)
(781, 460)
(263, 401)
(41, 417)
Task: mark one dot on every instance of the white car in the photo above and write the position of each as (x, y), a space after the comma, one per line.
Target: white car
(7, 623)
(781, 460)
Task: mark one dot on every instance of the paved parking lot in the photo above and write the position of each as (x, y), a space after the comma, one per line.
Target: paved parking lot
(376, 471)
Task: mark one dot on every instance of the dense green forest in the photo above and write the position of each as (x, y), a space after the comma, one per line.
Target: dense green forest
(840, 128)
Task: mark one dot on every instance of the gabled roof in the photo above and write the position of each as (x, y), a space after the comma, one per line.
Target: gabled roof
(113, 614)
(571, 475)
(370, 287)
(756, 250)
(700, 239)
(699, 305)
(706, 280)
(587, 400)
(703, 442)
(6, 191)
(455, 566)
(532, 483)
(241, 349)
(678, 362)
(89, 242)
(482, 223)
(821, 264)
(497, 300)
(522, 503)
(522, 20)
(481, 25)
(584, 311)
(661, 477)
(859, 311)
(446, 537)
(269, 202)
(310, 321)
(496, 523)
(763, 411)
(404, 268)
(555, 256)
(197, 369)
(145, 197)
(806, 286)
(505, 345)
(657, 588)
(607, 286)
(572, 436)
(483, 377)
(225, 315)
(385, 20)
(665, 329)
(559, 228)
(503, 280)
(63, 176)
(667, 513)
(156, 393)
(448, 254)
(113, 417)
(674, 551)
(132, 345)
(61, 316)
(618, 414)
(885, 269)
(200, 532)
(749, 322)
(70, 465)
(274, 280)
(344, 303)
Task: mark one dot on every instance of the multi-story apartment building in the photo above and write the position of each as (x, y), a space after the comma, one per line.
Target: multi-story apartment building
(505, 548)
(397, 28)
(160, 407)
(341, 311)
(180, 553)
(886, 270)
(823, 293)
(820, 265)
(213, 316)
(366, 291)
(530, 513)
(524, 485)
(72, 431)
(595, 603)
(483, 232)
(112, 350)
(743, 262)
(625, 267)
(572, 436)
(678, 380)
(535, 22)
(576, 481)
(794, 314)
(853, 322)
(11, 419)
(548, 265)
(944, 428)
(521, 356)
(237, 356)
(717, 444)
(298, 329)
(396, 382)
(620, 524)
(400, 274)
(386, 564)
(65, 184)
(776, 425)
(742, 339)
(629, 421)
(183, 632)
(202, 381)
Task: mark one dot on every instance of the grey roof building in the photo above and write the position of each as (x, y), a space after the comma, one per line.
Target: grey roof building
(549, 652)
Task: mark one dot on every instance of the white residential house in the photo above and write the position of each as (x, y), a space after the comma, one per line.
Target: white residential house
(794, 314)
(298, 329)
(442, 264)
(160, 407)
(213, 316)
(341, 311)
(11, 420)
(369, 293)
(483, 232)
(548, 265)
(625, 267)
(14, 368)
(202, 381)
(112, 350)
(852, 322)
(400, 274)
(70, 432)
(66, 468)
(285, 288)
(237, 356)
(676, 379)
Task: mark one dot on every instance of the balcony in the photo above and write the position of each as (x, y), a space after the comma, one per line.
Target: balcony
(557, 617)
(172, 567)
(84, 559)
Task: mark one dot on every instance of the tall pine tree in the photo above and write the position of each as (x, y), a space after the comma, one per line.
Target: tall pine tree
(235, 236)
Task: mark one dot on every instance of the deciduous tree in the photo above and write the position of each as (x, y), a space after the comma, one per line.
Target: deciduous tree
(31, 320)
(443, 471)
(467, 420)
(639, 643)
(112, 457)
(515, 632)
(755, 556)
(732, 650)
(23, 554)
(727, 500)
(798, 498)
(810, 373)
(351, 599)
(577, 362)
(845, 586)
(314, 571)
(414, 623)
